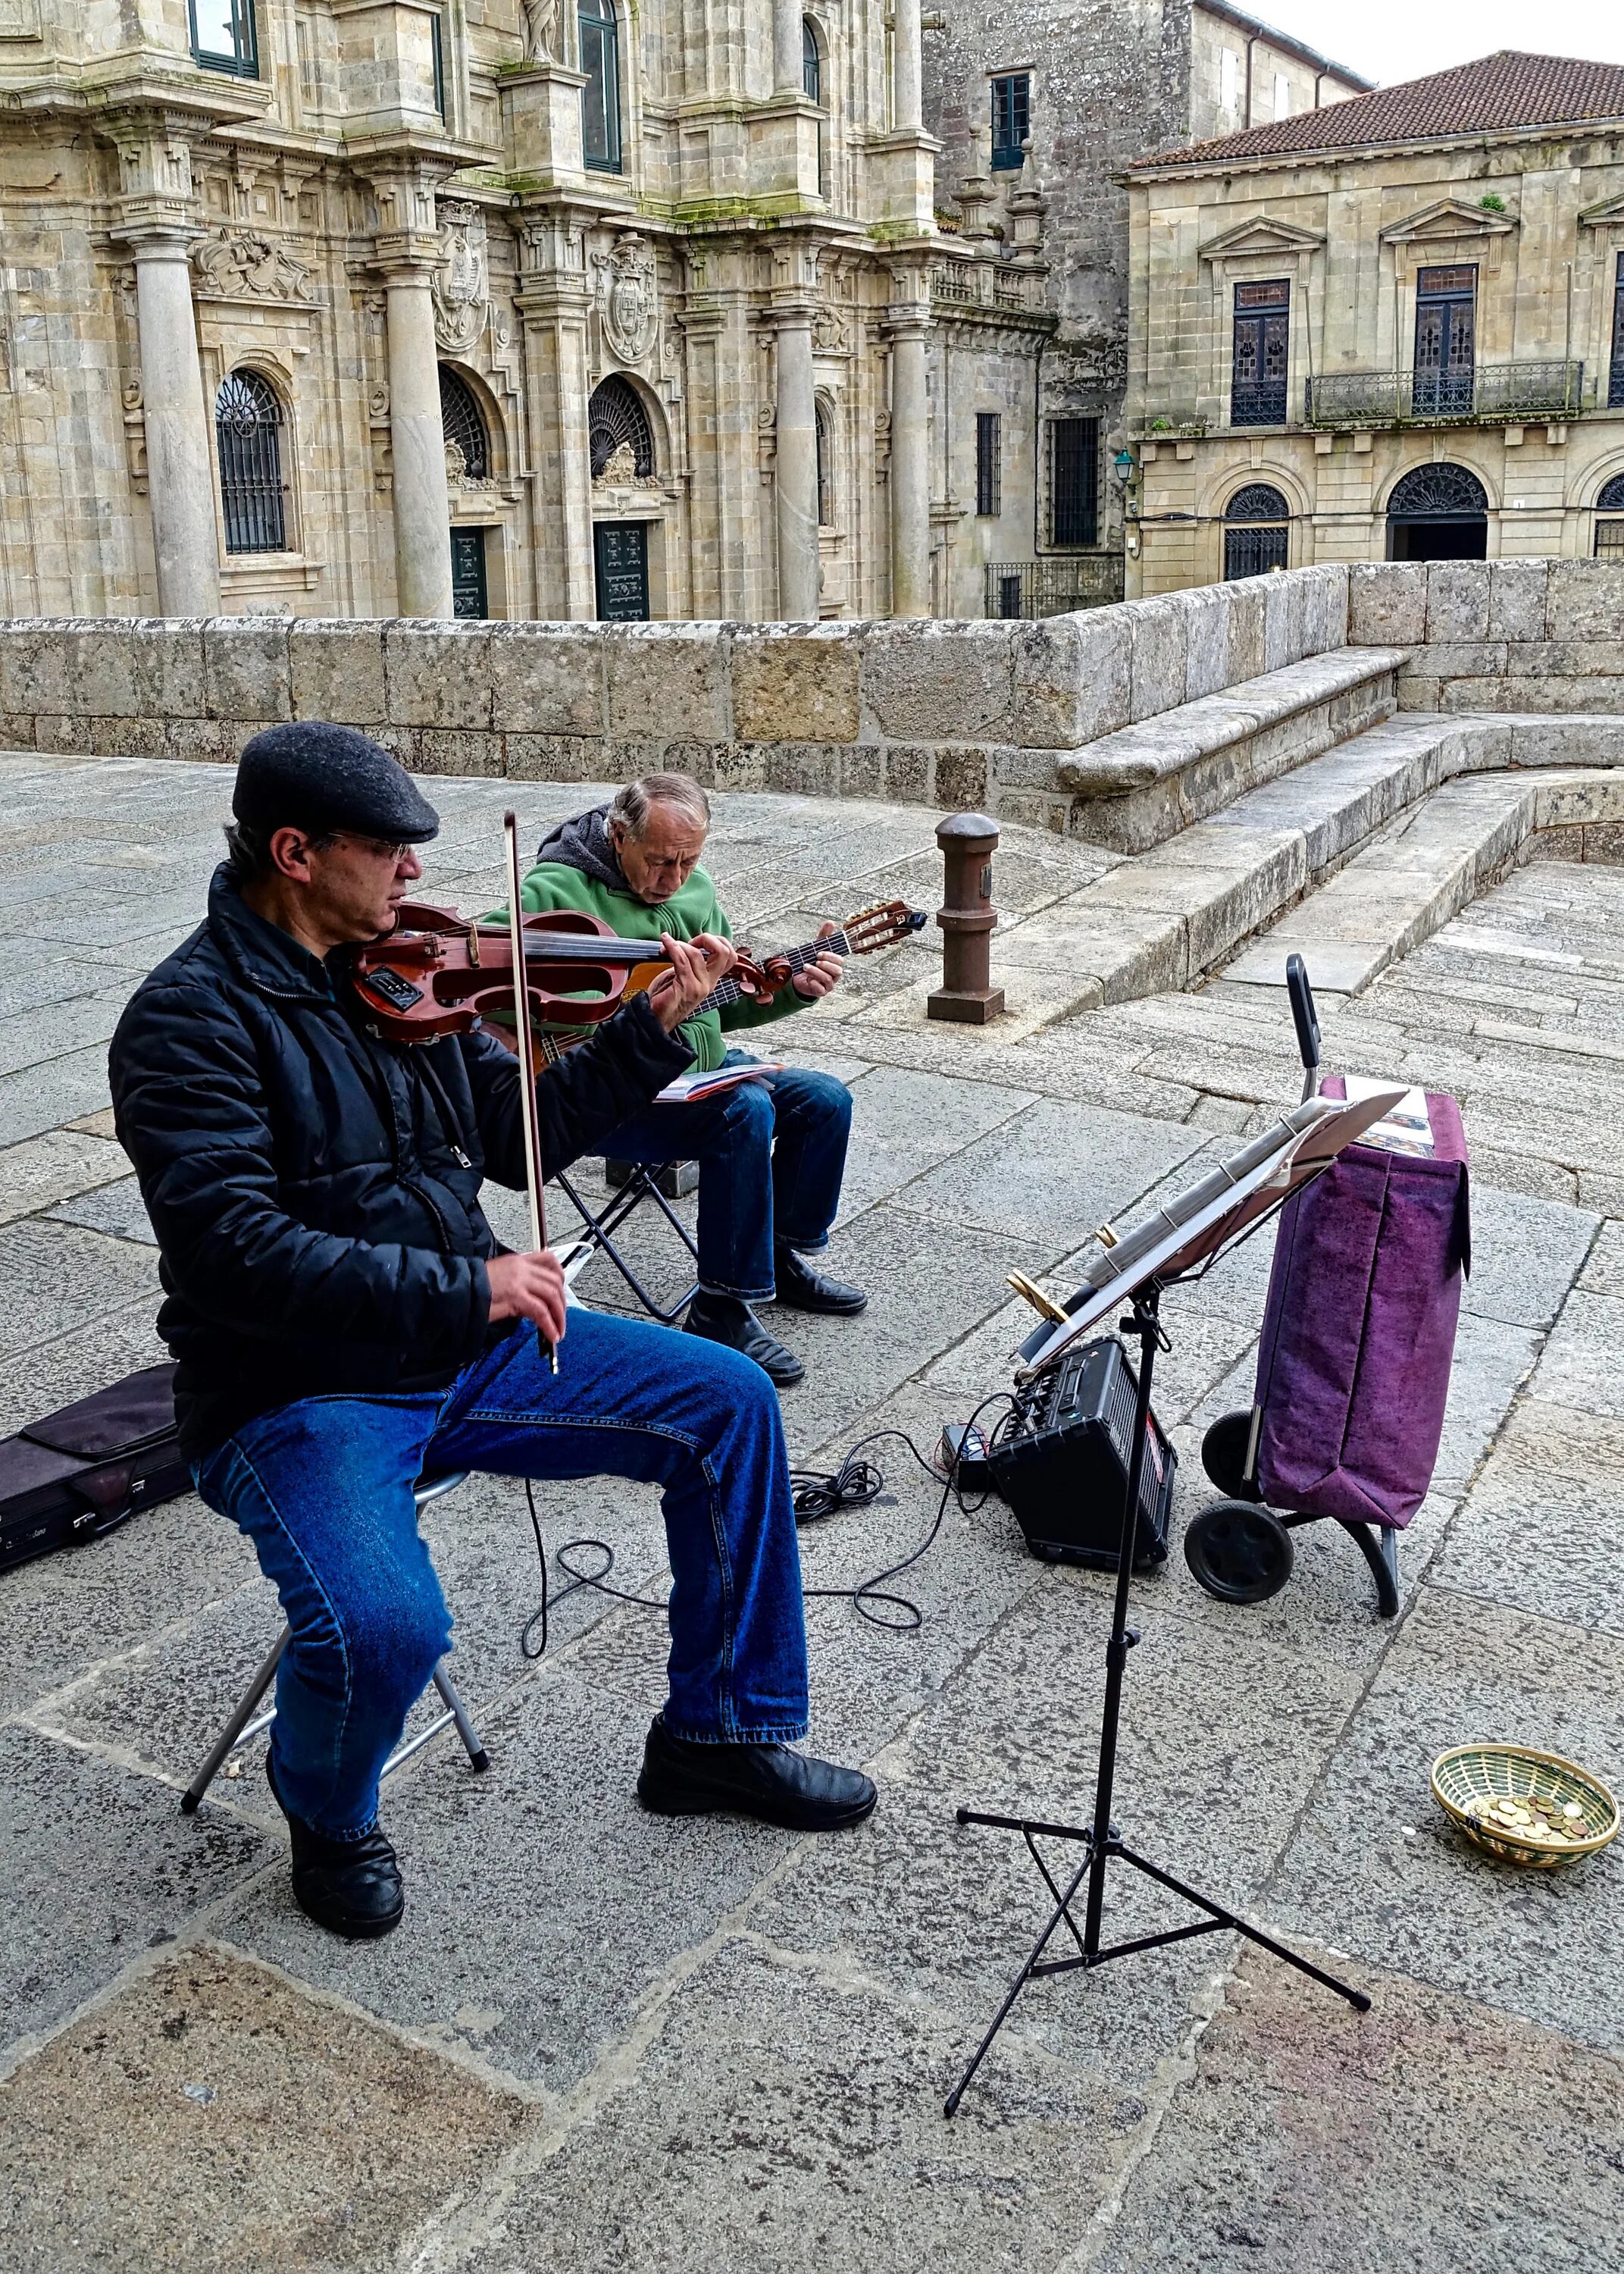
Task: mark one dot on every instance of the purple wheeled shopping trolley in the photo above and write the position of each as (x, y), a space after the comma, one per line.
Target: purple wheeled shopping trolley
(1353, 1364)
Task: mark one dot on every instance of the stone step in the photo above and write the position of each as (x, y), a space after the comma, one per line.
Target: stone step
(1421, 871)
(1145, 784)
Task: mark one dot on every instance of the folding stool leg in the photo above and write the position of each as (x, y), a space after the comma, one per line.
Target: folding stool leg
(455, 1712)
(238, 1727)
(598, 1234)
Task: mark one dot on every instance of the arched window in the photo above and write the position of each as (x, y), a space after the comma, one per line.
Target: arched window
(617, 422)
(825, 465)
(1256, 534)
(1610, 534)
(1438, 512)
(600, 97)
(462, 422)
(811, 62)
(248, 430)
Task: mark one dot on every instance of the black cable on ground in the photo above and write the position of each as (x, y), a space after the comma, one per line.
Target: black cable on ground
(816, 1495)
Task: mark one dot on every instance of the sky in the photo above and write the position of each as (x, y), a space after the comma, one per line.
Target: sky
(1390, 40)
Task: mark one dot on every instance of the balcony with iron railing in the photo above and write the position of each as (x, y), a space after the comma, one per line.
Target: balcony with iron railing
(1490, 393)
(1056, 585)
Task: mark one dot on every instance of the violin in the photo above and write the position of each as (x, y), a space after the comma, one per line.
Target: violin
(438, 973)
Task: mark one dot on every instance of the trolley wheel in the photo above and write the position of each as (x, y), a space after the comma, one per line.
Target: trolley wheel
(1223, 1456)
(1238, 1551)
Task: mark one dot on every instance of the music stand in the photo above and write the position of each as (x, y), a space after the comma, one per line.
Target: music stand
(1181, 1241)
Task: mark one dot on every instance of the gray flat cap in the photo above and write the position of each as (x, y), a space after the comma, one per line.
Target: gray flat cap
(311, 775)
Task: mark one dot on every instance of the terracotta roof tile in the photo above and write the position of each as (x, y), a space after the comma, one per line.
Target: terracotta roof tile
(1499, 92)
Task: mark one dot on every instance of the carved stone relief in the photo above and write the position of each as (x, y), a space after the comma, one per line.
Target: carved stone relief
(460, 287)
(627, 297)
(238, 264)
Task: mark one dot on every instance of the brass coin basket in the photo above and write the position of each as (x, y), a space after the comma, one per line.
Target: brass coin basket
(1500, 1793)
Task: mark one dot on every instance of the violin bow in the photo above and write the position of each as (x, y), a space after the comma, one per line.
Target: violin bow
(523, 1027)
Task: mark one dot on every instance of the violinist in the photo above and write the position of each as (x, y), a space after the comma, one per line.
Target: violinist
(771, 1152)
(345, 1322)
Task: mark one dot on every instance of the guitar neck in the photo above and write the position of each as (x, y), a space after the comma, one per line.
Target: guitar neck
(797, 958)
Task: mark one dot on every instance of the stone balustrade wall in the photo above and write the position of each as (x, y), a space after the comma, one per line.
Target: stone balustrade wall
(948, 714)
(1515, 636)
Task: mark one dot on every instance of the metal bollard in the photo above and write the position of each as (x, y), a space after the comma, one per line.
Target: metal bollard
(966, 918)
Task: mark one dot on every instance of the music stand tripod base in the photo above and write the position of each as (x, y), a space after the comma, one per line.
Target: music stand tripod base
(1101, 1841)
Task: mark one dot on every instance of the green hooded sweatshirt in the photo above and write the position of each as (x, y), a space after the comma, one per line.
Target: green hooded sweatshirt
(577, 868)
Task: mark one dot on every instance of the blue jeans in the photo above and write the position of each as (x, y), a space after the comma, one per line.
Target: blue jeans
(771, 1154)
(324, 1490)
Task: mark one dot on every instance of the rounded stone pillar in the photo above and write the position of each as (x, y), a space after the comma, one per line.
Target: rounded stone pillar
(910, 472)
(417, 449)
(180, 474)
(795, 469)
(907, 65)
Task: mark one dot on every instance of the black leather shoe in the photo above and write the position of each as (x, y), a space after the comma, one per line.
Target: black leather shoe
(769, 1782)
(352, 1887)
(725, 1319)
(802, 1289)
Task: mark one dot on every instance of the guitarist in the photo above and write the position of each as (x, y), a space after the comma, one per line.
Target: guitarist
(771, 1153)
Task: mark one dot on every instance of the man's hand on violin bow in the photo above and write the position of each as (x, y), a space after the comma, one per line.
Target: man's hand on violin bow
(696, 966)
(528, 1287)
(815, 979)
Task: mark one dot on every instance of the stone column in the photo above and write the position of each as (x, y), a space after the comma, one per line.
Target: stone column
(795, 469)
(907, 65)
(180, 474)
(786, 47)
(555, 303)
(910, 465)
(422, 503)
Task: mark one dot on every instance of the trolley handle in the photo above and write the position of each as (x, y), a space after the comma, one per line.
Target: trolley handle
(1306, 1019)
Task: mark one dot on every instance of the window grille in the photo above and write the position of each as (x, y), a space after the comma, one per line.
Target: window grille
(1012, 119)
(462, 424)
(825, 465)
(988, 470)
(224, 38)
(1261, 363)
(615, 415)
(600, 97)
(1256, 537)
(1610, 534)
(1615, 376)
(248, 432)
(1446, 341)
(1439, 493)
(1074, 481)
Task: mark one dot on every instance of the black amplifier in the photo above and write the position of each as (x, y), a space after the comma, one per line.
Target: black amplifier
(1062, 1462)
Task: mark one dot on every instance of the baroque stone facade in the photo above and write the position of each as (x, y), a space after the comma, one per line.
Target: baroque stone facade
(377, 307)
(1045, 103)
(1393, 330)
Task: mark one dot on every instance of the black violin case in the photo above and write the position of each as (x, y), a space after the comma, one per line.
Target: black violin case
(83, 1471)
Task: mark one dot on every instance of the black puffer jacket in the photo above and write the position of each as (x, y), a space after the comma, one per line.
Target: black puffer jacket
(315, 1192)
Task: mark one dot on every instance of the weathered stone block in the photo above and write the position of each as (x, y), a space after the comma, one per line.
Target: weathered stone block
(795, 686)
(951, 682)
(209, 741)
(907, 774)
(1247, 613)
(1283, 611)
(245, 669)
(547, 678)
(1387, 604)
(736, 766)
(554, 757)
(1072, 678)
(1584, 600)
(457, 750)
(667, 681)
(1517, 590)
(1159, 657)
(962, 779)
(862, 771)
(16, 734)
(1206, 640)
(1458, 601)
(437, 674)
(1448, 660)
(335, 670)
(809, 768)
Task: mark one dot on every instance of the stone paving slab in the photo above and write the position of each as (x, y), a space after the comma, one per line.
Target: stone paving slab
(289, 2133)
(1433, 2131)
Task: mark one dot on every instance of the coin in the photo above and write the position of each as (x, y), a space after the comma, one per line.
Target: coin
(1572, 1808)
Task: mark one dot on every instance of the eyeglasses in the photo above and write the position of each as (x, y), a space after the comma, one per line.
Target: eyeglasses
(381, 847)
